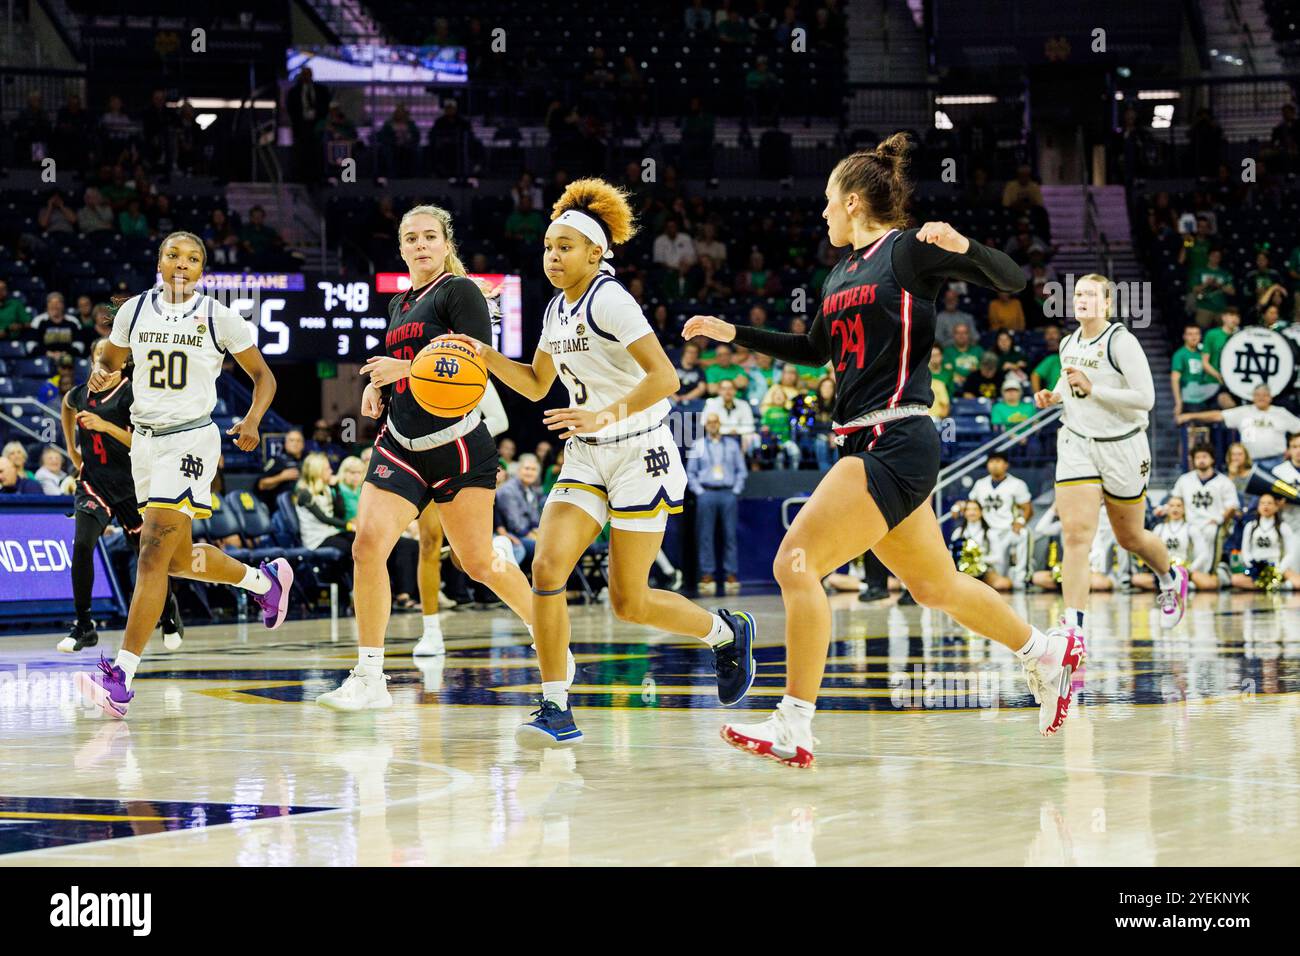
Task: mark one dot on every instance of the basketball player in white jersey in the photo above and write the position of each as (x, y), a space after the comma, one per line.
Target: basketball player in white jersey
(621, 463)
(1102, 451)
(1210, 499)
(177, 338)
(1005, 500)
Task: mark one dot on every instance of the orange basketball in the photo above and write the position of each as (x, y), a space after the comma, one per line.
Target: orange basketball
(448, 379)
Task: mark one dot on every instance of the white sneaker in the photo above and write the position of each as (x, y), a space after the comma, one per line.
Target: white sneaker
(359, 692)
(775, 738)
(431, 645)
(570, 671)
(172, 641)
(1052, 684)
(1173, 601)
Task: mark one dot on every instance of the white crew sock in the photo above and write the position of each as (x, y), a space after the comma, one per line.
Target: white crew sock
(370, 660)
(798, 712)
(1168, 579)
(1034, 648)
(255, 581)
(128, 662)
(553, 690)
(720, 634)
(1075, 618)
(432, 626)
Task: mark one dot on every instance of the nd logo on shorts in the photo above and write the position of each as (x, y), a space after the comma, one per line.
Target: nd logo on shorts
(192, 467)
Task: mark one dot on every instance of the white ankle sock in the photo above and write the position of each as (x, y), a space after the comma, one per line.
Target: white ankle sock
(1075, 618)
(128, 662)
(1168, 579)
(432, 626)
(370, 660)
(255, 581)
(1035, 647)
(720, 634)
(553, 690)
(799, 712)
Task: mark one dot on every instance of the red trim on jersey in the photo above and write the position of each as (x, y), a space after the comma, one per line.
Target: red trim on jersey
(871, 250)
(91, 491)
(879, 430)
(107, 398)
(463, 450)
(904, 349)
(410, 304)
(395, 460)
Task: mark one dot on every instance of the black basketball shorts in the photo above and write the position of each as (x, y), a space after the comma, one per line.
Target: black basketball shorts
(437, 474)
(91, 502)
(902, 461)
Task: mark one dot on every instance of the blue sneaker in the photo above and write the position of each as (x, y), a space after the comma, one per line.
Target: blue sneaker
(734, 662)
(551, 727)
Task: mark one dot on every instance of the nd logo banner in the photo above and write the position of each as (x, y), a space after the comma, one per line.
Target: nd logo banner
(1257, 356)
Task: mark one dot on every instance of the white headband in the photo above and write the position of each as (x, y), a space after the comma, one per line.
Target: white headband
(589, 227)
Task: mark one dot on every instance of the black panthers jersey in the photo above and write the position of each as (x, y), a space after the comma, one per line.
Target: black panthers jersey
(105, 461)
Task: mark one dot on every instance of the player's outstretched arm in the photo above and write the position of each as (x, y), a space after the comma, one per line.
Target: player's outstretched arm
(938, 251)
(245, 430)
(810, 348)
(531, 381)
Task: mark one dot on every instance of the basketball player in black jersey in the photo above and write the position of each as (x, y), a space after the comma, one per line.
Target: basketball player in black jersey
(420, 459)
(97, 429)
(876, 326)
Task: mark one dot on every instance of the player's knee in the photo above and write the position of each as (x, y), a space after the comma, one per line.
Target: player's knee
(930, 591)
(630, 606)
(430, 547)
(366, 549)
(1078, 537)
(481, 565)
(152, 559)
(791, 566)
(548, 574)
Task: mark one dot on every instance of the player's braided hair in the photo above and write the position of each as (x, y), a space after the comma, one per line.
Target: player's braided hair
(880, 177)
(604, 202)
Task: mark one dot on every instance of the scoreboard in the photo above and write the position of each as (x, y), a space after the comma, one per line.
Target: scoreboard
(305, 317)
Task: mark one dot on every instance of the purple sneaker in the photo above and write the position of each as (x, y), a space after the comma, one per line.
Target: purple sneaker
(1173, 601)
(106, 689)
(275, 602)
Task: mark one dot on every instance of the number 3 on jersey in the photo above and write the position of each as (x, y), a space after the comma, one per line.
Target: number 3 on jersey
(581, 397)
(168, 370)
(852, 341)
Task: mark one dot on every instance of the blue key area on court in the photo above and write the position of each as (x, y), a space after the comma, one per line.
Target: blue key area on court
(876, 674)
(40, 823)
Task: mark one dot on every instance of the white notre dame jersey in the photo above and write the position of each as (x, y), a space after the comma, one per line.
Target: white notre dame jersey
(1001, 501)
(177, 350)
(1123, 392)
(1266, 539)
(588, 340)
(1206, 501)
(1178, 540)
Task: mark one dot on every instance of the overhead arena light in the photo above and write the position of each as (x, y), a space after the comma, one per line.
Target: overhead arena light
(970, 100)
(1163, 116)
(1159, 95)
(215, 103)
(204, 120)
(941, 120)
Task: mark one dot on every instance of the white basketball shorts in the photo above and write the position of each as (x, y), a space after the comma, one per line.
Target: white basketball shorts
(175, 471)
(634, 484)
(1121, 467)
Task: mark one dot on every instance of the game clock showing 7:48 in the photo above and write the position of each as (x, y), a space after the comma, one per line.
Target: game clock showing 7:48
(301, 317)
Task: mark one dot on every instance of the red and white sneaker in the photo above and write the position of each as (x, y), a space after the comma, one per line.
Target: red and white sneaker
(1052, 684)
(775, 738)
(1173, 601)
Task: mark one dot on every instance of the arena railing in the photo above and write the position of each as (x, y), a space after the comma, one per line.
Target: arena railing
(54, 85)
(1003, 441)
(49, 413)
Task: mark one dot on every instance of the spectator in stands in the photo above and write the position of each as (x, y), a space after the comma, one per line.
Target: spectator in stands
(525, 225)
(724, 368)
(980, 192)
(397, 145)
(1129, 147)
(984, 381)
(452, 144)
(31, 132)
(56, 215)
(963, 356)
(690, 375)
(337, 135)
(131, 221)
(940, 381)
(706, 282)
(221, 240)
(16, 453)
(1011, 361)
(1048, 371)
(51, 475)
(262, 244)
(1211, 287)
(1264, 427)
(352, 475)
(1006, 312)
(526, 186)
(762, 93)
(101, 317)
(1194, 380)
(1284, 151)
(757, 279)
(715, 472)
(1217, 337)
(1012, 407)
(156, 126)
(698, 142)
(672, 247)
(949, 317)
(307, 103)
(1238, 467)
(708, 244)
(323, 441)
(55, 333)
(192, 142)
(282, 470)
(1227, 192)
(1022, 193)
(520, 501)
(783, 393)
(1205, 143)
(52, 390)
(1195, 250)
(72, 136)
(734, 31)
(116, 127)
(1271, 318)
(735, 414)
(698, 18)
(14, 316)
(506, 451)
(759, 372)
(13, 482)
(1022, 245)
(96, 215)
(1263, 278)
